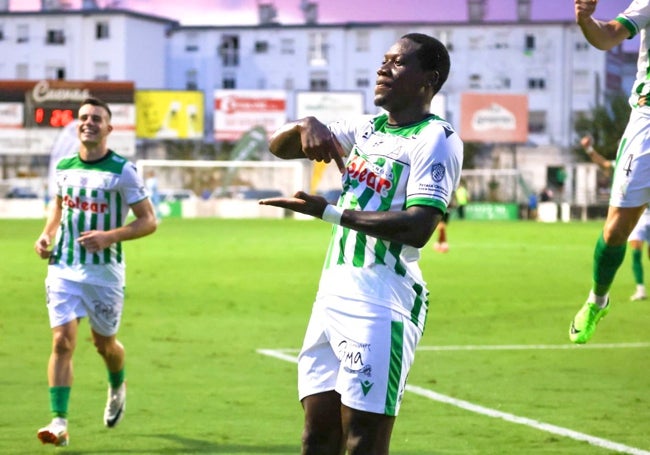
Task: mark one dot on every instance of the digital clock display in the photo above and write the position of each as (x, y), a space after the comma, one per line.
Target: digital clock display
(52, 117)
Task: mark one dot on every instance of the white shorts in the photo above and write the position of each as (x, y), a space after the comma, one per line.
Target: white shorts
(641, 231)
(631, 182)
(69, 300)
(361, 350)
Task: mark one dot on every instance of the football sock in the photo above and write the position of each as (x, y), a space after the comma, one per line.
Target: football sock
(59, 398)
(116, 379)
(637, 266)
(607, 260)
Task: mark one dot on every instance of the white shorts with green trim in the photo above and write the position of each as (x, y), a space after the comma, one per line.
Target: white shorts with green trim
(631, 182)
(361, 350)
(69, 300)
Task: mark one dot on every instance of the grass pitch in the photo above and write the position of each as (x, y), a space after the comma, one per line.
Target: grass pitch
(495, 373)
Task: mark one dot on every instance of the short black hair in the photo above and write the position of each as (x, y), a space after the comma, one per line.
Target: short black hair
(97, 102)
(432, 55)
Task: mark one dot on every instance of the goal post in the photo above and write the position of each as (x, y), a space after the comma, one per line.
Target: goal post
(225, 189)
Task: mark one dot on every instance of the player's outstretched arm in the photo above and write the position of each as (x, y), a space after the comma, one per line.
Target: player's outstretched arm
(413, 226)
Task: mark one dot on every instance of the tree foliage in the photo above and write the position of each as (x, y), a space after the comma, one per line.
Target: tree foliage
(606, 124)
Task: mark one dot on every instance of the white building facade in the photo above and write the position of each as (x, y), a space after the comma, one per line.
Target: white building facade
(549, 62)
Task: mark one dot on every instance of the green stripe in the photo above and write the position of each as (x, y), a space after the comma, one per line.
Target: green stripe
(395, 366)
(417, 305)
(359, 250)
(628, 25)
(395, 250)
(118, 223)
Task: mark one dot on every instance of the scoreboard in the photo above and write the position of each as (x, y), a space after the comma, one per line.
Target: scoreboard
(33, 113)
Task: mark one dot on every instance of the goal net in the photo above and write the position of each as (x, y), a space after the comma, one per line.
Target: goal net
(225, 189)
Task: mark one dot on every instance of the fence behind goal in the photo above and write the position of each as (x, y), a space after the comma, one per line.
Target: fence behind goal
(224, 189)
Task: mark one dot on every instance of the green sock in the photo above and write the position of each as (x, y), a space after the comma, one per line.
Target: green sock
(607, 260)
(116, 379)
(637, 266)
(59, 398)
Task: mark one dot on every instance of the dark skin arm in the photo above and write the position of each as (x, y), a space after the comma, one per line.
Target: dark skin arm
(413, 226)
(307, 138)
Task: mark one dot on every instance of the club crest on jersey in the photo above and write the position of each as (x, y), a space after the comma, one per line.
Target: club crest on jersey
(438, 172)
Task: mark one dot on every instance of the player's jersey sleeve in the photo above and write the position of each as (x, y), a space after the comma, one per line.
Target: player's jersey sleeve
(436, 164)
(132, 185)
(345, 130)
(636, 17)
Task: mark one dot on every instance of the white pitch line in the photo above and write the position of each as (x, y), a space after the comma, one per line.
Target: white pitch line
(547, 427)
(604, 443)
(523, 347)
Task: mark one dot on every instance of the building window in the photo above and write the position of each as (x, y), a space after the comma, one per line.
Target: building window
(582, 46)
(582, 83)
(474, 81)
(363, 41)
(2, 32)
(192, 42)
(102, 71)
(22, 71)
(362, 79)
(191, 82)
(102, 30)
(55, 37)
(318, 82)
(228, 82)
(536, 83)
(530, 43)
(55, 72)
(317, 49)
(229, 50)
(287, 46)
(261, 47)
(537, 122)
(363, 82)
(22, 33)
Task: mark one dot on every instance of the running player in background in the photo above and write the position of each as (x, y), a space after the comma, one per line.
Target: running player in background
(401, 170)
(82, 241)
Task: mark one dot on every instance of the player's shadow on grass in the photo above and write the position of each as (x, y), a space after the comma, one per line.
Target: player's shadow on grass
(189, 445)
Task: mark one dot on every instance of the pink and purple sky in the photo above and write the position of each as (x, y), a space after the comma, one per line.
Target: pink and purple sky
(244, 12)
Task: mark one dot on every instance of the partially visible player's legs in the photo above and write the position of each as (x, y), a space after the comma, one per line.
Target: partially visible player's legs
(637, 269)
(608, 257)
(367, 432)
(323, 432)
(104, 305)
(113, 354)
(60, 377)
(441, 244)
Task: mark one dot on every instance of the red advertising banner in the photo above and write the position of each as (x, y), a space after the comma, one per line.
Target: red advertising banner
(494, 117)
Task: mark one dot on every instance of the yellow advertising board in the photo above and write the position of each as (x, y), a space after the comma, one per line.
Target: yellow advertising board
(169, 114)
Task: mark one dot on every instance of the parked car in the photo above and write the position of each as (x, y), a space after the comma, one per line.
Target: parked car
(21, 192)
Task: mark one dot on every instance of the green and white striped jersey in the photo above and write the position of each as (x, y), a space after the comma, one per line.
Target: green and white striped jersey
(95, 196)
(636, 18)
(389, 168)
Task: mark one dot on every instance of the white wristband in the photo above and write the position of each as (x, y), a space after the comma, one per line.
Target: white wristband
(333, 214)
(590, 150)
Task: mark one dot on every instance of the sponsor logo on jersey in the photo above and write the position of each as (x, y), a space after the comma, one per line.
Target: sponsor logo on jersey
(85, 205)
(373, 176)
